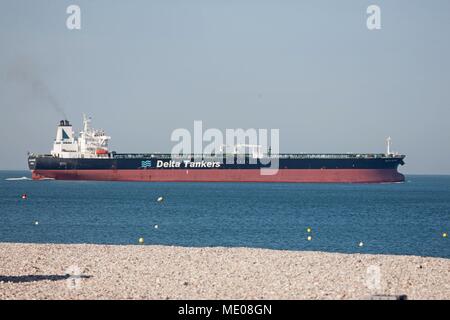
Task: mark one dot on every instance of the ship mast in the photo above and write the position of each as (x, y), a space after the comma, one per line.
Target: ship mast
(388, 146)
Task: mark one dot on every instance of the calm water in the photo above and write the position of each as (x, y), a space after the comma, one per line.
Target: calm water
(404, 218)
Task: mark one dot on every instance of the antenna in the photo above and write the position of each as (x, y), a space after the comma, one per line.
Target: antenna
(388, 146)
(86, 123)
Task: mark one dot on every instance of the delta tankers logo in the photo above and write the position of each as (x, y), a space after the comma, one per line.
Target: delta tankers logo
(146, 164)
(180, 164)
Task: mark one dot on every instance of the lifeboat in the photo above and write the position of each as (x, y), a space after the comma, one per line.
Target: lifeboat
(101, 152)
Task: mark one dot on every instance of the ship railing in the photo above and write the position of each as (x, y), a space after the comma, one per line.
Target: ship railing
(327, 156)
(221, 156)
(335, 156)
(274, 156)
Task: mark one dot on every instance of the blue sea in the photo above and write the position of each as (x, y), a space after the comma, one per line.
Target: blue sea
(408, 218)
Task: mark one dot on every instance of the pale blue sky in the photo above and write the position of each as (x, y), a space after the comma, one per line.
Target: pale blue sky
(310, 68)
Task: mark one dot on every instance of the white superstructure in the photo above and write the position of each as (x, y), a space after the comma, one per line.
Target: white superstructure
(90, 143)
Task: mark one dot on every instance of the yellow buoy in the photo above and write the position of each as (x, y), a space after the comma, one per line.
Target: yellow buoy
(308, 230)
(309, 238)
(141, 240)
(36, 223)
(444, 235)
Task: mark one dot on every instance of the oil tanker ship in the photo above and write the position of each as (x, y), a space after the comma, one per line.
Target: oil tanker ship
(86, 157)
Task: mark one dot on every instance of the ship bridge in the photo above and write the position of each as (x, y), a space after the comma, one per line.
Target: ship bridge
(90, 143)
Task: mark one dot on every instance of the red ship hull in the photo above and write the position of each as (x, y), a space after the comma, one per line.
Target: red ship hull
(229, 175)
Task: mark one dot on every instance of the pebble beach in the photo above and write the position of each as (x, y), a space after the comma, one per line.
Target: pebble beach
(85, 271)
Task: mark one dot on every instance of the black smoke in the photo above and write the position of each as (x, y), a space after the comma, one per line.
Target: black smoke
(26, 75)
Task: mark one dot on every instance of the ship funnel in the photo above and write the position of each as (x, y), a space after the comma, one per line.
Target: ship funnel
(64, 123)
(65, 139)
(64, 131)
